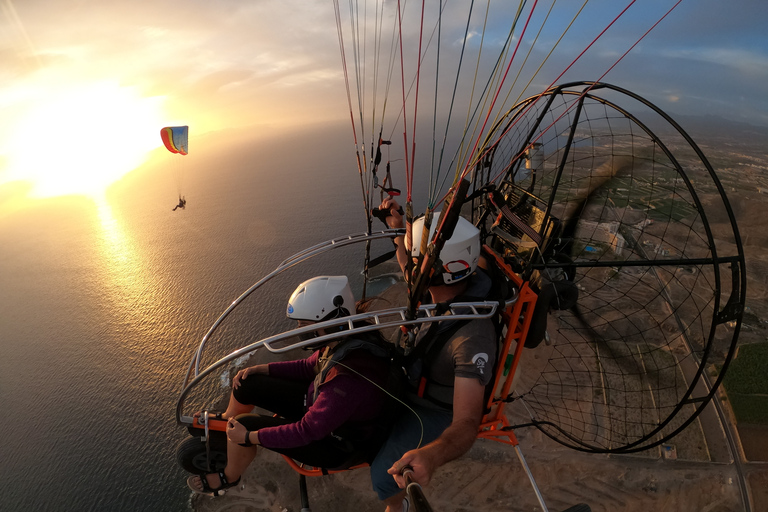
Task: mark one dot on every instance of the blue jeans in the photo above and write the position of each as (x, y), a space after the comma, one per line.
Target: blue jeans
(405, 436)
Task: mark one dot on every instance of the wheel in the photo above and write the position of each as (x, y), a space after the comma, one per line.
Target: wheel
(581, 507)
(192, 455)
(557, 295)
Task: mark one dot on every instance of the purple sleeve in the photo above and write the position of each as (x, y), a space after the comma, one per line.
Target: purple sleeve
(335, 404)
(301, 369)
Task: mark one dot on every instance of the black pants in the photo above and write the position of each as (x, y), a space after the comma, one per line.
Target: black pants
(286, 399)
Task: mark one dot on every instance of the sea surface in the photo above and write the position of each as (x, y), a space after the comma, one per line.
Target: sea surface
(103, 302)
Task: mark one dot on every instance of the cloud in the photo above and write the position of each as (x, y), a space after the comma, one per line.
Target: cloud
(236, 61)
(742, 60)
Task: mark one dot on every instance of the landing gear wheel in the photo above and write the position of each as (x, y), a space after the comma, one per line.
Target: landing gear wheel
(581, 507)
(192, 455)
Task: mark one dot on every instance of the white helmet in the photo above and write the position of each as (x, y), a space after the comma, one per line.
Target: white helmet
(321, 298)
(460, 253)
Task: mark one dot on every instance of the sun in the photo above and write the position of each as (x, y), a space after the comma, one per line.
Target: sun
(82, 139)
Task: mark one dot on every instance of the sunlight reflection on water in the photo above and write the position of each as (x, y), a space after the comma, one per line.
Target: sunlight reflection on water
(104, 302)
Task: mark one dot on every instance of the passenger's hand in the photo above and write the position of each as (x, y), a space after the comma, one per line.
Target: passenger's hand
(394, 220)
(236, 431)
(245, 372)
(422, 465)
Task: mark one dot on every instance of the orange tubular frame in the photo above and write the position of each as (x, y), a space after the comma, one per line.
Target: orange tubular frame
(517, 319)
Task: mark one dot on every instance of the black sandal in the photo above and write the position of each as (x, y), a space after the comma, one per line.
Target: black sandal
(207, 490)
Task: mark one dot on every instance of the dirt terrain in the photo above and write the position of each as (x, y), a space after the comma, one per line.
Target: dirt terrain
(490, 478)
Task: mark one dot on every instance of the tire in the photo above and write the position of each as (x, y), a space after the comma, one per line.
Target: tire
(555, 295)
(564, 295)
(581, 507)
(570, 269)
(191, 454)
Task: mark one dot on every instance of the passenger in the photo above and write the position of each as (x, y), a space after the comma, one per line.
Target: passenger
(454, 376)
(182, 204)
(329, 407)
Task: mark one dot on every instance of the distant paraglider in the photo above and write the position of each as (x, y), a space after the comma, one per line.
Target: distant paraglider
(175, 139)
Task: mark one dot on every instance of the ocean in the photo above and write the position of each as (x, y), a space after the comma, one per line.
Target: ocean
(103, 303)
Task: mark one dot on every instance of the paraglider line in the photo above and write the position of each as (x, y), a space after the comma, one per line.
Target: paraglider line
(586, 91)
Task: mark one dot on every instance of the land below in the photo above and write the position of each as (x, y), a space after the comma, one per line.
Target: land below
(491, 478)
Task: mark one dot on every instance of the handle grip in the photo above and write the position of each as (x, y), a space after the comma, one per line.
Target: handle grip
(383, 214)
(415, 492)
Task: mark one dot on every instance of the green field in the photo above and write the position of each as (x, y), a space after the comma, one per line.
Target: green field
(746, 383)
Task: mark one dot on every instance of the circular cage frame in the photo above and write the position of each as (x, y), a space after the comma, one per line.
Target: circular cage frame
(503, 161)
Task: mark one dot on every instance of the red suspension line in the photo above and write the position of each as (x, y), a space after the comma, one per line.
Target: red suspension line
(498, 91)
(584, 93)
(469, 164)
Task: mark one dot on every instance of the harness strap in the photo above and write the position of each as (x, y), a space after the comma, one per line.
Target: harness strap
(330, 357)
(433, 342)
(381, 259)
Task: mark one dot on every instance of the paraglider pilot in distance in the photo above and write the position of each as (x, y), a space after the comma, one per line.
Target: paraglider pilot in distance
(328, 407)
(182, 204)
(453, 379)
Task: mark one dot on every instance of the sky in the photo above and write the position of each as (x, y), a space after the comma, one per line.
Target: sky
(85, 85)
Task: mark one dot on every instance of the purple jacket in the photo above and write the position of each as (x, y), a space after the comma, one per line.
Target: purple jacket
(343, 397)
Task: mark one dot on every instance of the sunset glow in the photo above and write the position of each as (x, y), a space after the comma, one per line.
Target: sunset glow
(87, 85)
(81, 139)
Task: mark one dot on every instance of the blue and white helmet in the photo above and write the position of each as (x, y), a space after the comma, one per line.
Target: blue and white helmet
(321, 298)
(460, 254)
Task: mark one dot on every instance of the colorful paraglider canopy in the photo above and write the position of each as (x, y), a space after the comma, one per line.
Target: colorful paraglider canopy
(175, 138)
